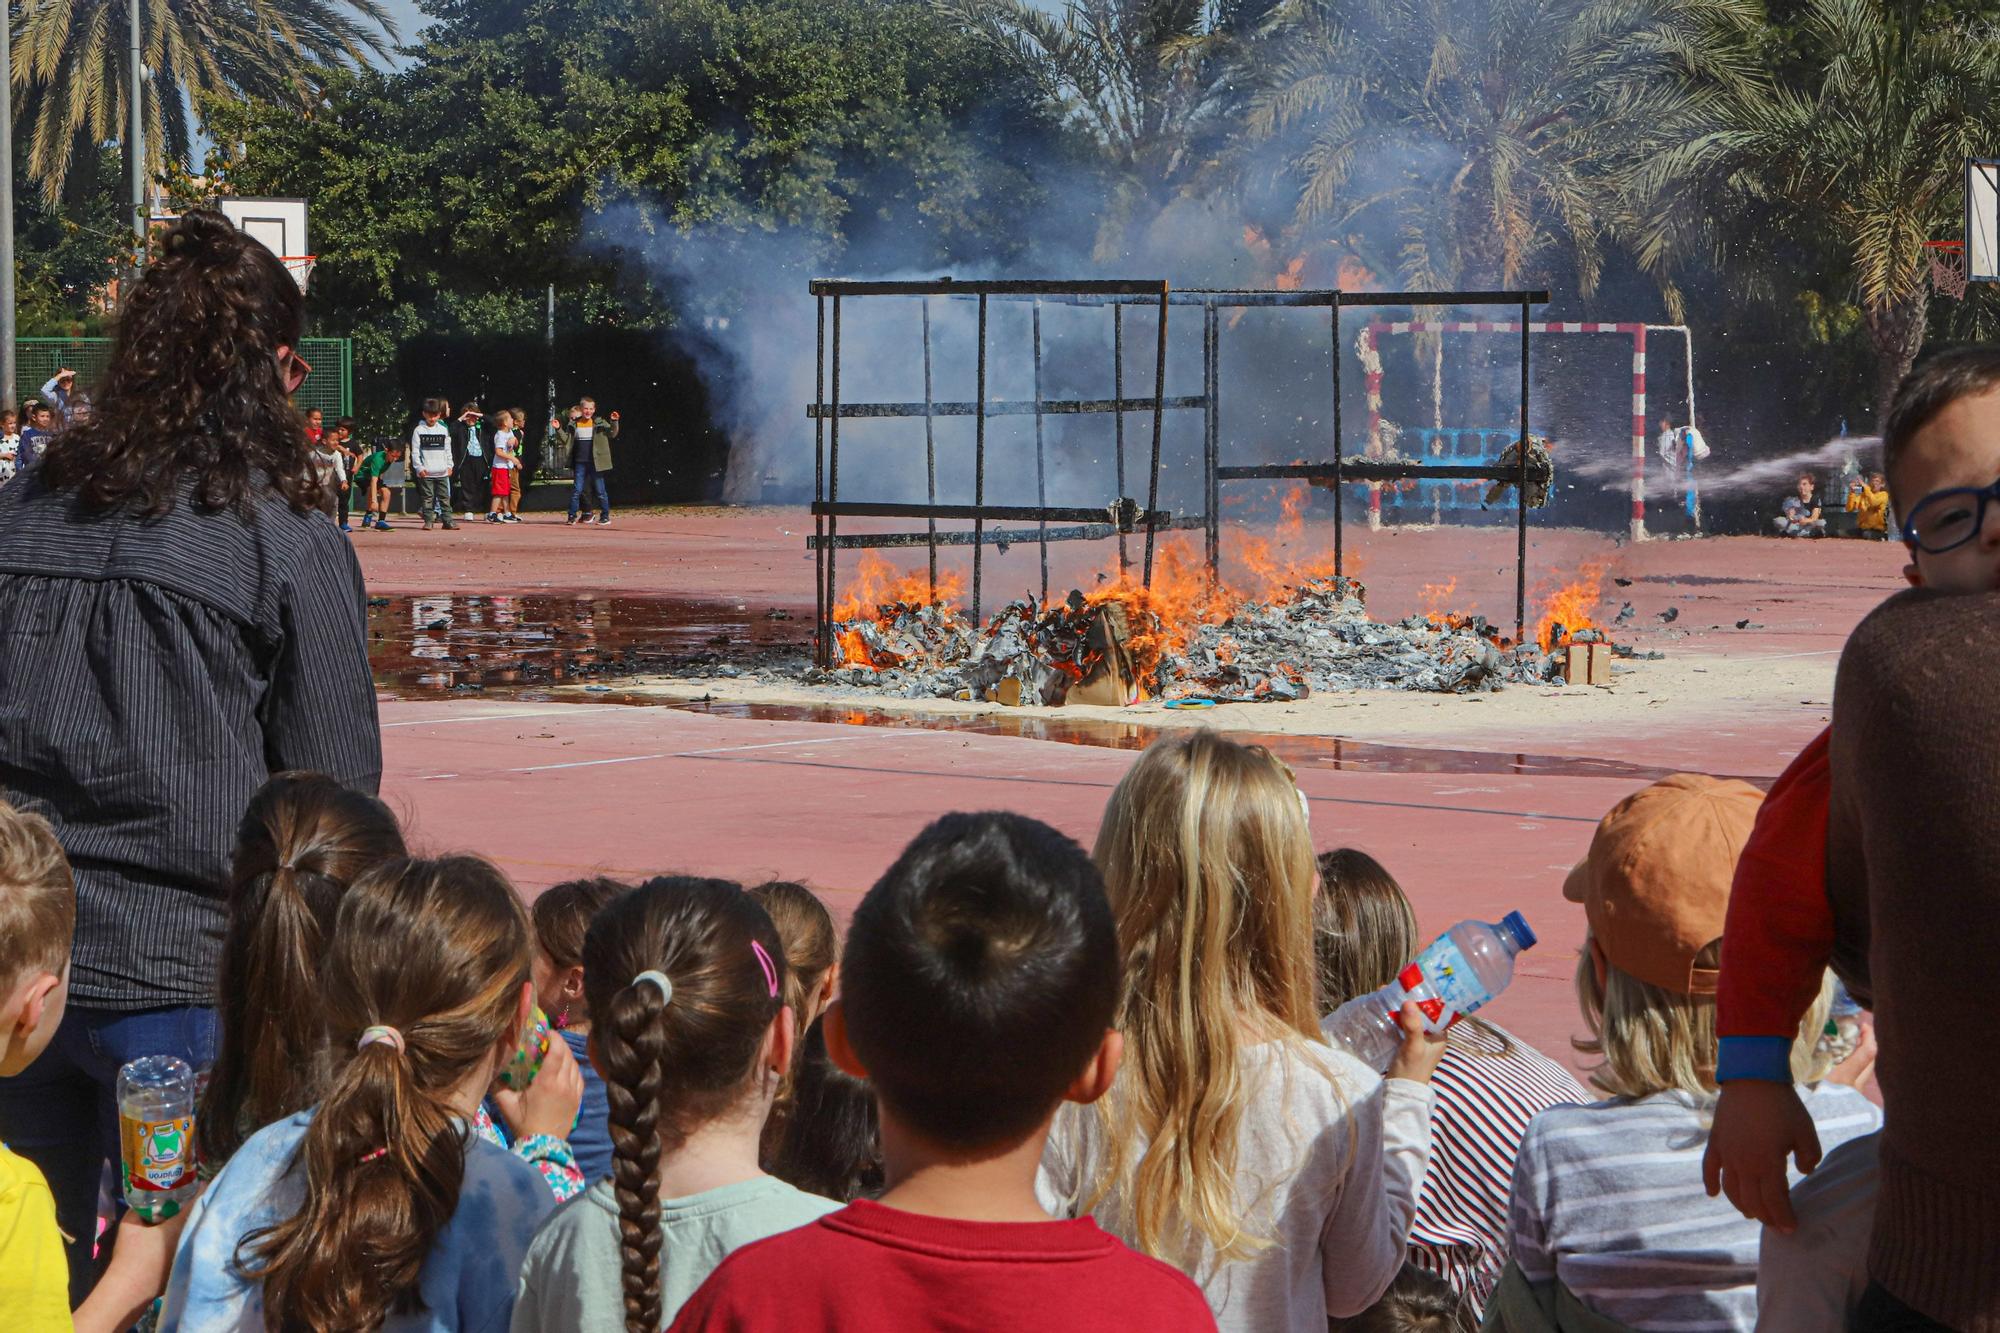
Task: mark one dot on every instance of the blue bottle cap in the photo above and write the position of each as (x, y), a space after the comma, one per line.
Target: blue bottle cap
(1518, 926)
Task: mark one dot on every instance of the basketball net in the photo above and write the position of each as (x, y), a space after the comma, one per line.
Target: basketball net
(300, 267)
(1947, 261)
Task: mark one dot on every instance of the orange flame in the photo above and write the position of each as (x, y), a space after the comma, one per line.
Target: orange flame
(1572, 606)
(879, 583)
(1436, 599)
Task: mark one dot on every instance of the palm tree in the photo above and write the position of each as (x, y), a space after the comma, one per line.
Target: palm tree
(1146, 80)
(70, 61)
(1483, 144)
(1866, 154)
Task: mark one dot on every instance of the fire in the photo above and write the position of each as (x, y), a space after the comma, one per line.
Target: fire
(877, 584)
(1280, 563)
(1571, 606)
(1436, 599)
(1163, 617)
(1292, 277)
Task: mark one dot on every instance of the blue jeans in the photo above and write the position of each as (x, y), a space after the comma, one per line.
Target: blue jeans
(61, 1112)
(585, 474)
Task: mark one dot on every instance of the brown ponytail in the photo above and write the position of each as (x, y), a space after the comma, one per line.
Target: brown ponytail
(812, 947)
(303, 840)
(437, 950)
(673, 1064)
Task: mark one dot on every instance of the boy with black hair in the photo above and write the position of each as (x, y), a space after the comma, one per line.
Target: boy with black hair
(1788, 915)
(431, 460)
(41, 429)
(372, 471)
(979, 982)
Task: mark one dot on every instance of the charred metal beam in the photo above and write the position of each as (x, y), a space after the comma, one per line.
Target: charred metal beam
(1086, 532)
(1008, 408)
(1113, 514)
(990, 287)
(1370, 469)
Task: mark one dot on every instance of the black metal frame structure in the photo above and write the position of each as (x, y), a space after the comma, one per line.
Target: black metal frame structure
(1341, 468)
(1123, 516)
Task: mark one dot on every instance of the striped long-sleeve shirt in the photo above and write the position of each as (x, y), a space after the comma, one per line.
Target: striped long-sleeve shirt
(1608, 1200)
(1488, 1087)
(153, 673)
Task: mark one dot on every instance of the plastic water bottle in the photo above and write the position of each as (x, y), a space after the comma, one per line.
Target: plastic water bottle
(1474, 960)
(156, 1135)
(1371, 1026)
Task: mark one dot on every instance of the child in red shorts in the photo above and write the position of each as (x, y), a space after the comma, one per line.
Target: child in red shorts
(506, 467)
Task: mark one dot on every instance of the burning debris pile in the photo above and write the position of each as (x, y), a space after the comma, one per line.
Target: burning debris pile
(1123, 643)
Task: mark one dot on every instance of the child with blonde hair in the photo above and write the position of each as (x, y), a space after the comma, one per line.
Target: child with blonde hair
(379, 1207)
(1608, 1208)
(1279, 1173)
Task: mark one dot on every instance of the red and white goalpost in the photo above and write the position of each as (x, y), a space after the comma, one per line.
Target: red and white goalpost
(1371, 361)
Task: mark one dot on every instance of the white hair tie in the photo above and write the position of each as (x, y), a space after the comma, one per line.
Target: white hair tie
(659, 982)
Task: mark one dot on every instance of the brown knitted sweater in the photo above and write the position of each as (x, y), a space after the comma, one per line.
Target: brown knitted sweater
(1913, 850)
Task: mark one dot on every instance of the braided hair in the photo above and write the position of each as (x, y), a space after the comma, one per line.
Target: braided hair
(678, 1045)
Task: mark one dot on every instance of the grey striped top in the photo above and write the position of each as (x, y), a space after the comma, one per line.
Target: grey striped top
(1608, 1198)
(152, 675)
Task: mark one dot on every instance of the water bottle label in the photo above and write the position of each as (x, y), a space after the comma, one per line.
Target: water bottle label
(1445, 967)
(158, 1154)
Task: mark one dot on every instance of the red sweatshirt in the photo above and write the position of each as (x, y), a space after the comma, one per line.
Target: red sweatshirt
(872, 1268)
(1779, 936)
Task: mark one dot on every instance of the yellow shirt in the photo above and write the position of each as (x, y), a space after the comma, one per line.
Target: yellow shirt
(1872, 508)
(34, 1277)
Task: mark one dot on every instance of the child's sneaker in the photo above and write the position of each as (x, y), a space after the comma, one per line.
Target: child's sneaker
(604, 520)
(382, 525)
(450, 525)
(510, 518)
(493, 518)
(571, 520)
(427, 522)
(346, 527)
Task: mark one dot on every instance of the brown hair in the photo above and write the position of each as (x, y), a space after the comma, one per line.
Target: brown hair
(1933, 384)
(812, 947)
(193, 389)
(671, 1064)
(563, 912)
(37, 898)
(303, 839)
(1418, 1301)
(437, 950)
(433, 407)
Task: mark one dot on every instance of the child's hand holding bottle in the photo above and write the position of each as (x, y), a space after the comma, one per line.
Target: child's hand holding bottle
(549, 1105)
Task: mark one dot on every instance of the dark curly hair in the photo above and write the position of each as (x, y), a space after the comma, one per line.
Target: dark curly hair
(194, 392)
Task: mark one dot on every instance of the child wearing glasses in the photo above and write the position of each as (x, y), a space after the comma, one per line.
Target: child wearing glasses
(1941, 457)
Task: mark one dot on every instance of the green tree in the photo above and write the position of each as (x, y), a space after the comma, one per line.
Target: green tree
(1858, 148)
(71, 60)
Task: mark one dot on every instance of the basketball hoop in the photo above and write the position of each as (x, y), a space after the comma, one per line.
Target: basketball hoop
(301, 267)
(1947, 261)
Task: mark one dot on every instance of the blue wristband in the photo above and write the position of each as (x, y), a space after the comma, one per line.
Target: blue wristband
(1765, 1059)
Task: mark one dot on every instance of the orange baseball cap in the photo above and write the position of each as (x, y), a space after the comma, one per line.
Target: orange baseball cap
(1655, 886)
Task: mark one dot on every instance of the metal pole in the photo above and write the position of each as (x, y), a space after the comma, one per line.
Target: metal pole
(8, 330)
(1521, 496)
(930, 448)
(822, 619)
(1118, 415)
(1211, 342)
(549, 342)
(832, 475)
(979, 464)
(1339, 493)
(1159, 421)
(1041, 457)
(138, 142)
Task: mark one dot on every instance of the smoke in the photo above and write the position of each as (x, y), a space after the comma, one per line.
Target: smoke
(1772, 477)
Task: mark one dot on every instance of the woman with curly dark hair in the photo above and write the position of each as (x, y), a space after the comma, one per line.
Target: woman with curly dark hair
(178, 621)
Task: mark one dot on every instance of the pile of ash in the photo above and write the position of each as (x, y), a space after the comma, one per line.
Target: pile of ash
(1111, 648)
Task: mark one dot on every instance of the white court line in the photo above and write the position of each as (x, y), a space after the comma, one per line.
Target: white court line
(723, 749)
(553, 710)
(1779, 657)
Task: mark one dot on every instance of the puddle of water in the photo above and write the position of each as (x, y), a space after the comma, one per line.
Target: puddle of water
(517, 646)
(423, 645)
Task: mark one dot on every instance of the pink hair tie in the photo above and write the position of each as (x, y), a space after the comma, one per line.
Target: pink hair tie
(383, 1033)
(368, 1157)
(764, 961)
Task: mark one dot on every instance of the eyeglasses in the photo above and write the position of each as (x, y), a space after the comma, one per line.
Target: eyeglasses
(1948, 519)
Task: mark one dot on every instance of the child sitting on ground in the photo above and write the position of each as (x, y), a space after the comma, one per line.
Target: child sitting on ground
(1279, 1173)
(380, 1199)
(832, 1144)
(689, 1027)
(561, 915)
(812, 973)
(1800, 515)
(980, 982)
(1608, 1211)
(1940, 446)
(1488, 1086)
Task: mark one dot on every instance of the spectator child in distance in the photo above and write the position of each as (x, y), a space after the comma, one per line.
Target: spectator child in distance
(431, 460)
(373, 469)
(315, 426)
(506, 467)
(40, 430)
(1606, 1209)
(60, 394)
(1801, 515)
(561, 915)
(380, 1199)
(980, 981)
(10, 445)
(1279, 1173)
(1870, 504)
(468, 432)
(690, 1030)
(1488, 1086)
(585, 439)
(332, 470)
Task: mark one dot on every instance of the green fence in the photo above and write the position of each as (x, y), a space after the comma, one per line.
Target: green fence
(330, 387)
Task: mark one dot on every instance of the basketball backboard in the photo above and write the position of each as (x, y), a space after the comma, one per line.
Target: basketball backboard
(1982, 219)
(279, 223)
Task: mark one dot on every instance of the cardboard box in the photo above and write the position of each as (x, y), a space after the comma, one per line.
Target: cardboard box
(1587, 663)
